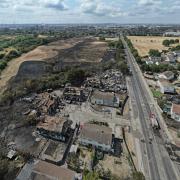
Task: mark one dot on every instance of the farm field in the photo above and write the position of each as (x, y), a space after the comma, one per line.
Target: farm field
(144, 43)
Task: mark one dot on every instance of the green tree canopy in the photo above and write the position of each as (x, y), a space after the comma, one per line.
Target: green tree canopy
(166, 42)
(76, 76)
(176, 40)
(154, 53)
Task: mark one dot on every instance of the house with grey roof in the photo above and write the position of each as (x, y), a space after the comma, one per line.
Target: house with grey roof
(41, 170)
(168, 75)
(165, 86)
(105, 99)
(175, 112)
(97, 136)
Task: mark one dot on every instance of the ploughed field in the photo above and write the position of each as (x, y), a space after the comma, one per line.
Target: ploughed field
(144, 43)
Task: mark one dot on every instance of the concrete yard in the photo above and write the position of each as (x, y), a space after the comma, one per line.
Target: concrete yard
(85, 113)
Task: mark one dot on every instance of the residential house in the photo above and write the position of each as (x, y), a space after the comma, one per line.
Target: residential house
(165, 86)
(170, 58)
(41, 170)
(168, 75)
(96, 136)
(177, 54)
(175, 112)
(153, 60)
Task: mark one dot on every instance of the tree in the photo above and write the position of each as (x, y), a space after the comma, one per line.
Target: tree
(3, 167)
(166, 43)
(154, 53)
(178, 67)
(76, 76)
(138, 176)
(87, 175)
(176, 41)
(171, 41)
(1, 55)
(3, 64)
(123, 67)
(177, 48)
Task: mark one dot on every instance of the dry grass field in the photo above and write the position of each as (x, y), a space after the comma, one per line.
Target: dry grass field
(144, 43)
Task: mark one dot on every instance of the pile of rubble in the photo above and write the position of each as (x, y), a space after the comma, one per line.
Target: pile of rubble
(109, 81)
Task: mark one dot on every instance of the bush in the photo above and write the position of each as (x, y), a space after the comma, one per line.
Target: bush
(138, 176)
(12, 54)
(176, 41)
(154, 53)
(1, 55)
(3, 167)
(76, 76)
(166, 42)
(3, 64)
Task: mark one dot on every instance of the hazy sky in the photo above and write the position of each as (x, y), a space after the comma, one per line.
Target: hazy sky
(89, 11)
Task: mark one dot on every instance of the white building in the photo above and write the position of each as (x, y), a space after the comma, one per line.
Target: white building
(175, 112)
(105, 99)
(172, 33)
(153, 60)
(96, 136)
(168, 75)
(165, 86)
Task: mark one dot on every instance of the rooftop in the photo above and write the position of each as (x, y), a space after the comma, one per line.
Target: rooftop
(176, 108)
(100, 134)
(165, 82)
(168, 73)
(103, 95)
(52, 123)
(46, 171)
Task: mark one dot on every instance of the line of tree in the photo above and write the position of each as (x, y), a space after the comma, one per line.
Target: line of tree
(134, 51)
(168, 42)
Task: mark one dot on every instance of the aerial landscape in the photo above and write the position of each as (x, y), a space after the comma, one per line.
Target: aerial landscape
(89, 90)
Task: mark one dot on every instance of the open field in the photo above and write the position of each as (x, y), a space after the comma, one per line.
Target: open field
(71, 50)
(144, 43)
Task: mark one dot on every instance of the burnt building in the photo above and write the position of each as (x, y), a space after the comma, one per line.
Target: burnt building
(55, 128)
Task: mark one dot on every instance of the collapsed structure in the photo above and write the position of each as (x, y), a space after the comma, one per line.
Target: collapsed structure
(47, 103)
(55, 128)
(74, 94)
(109, 81)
